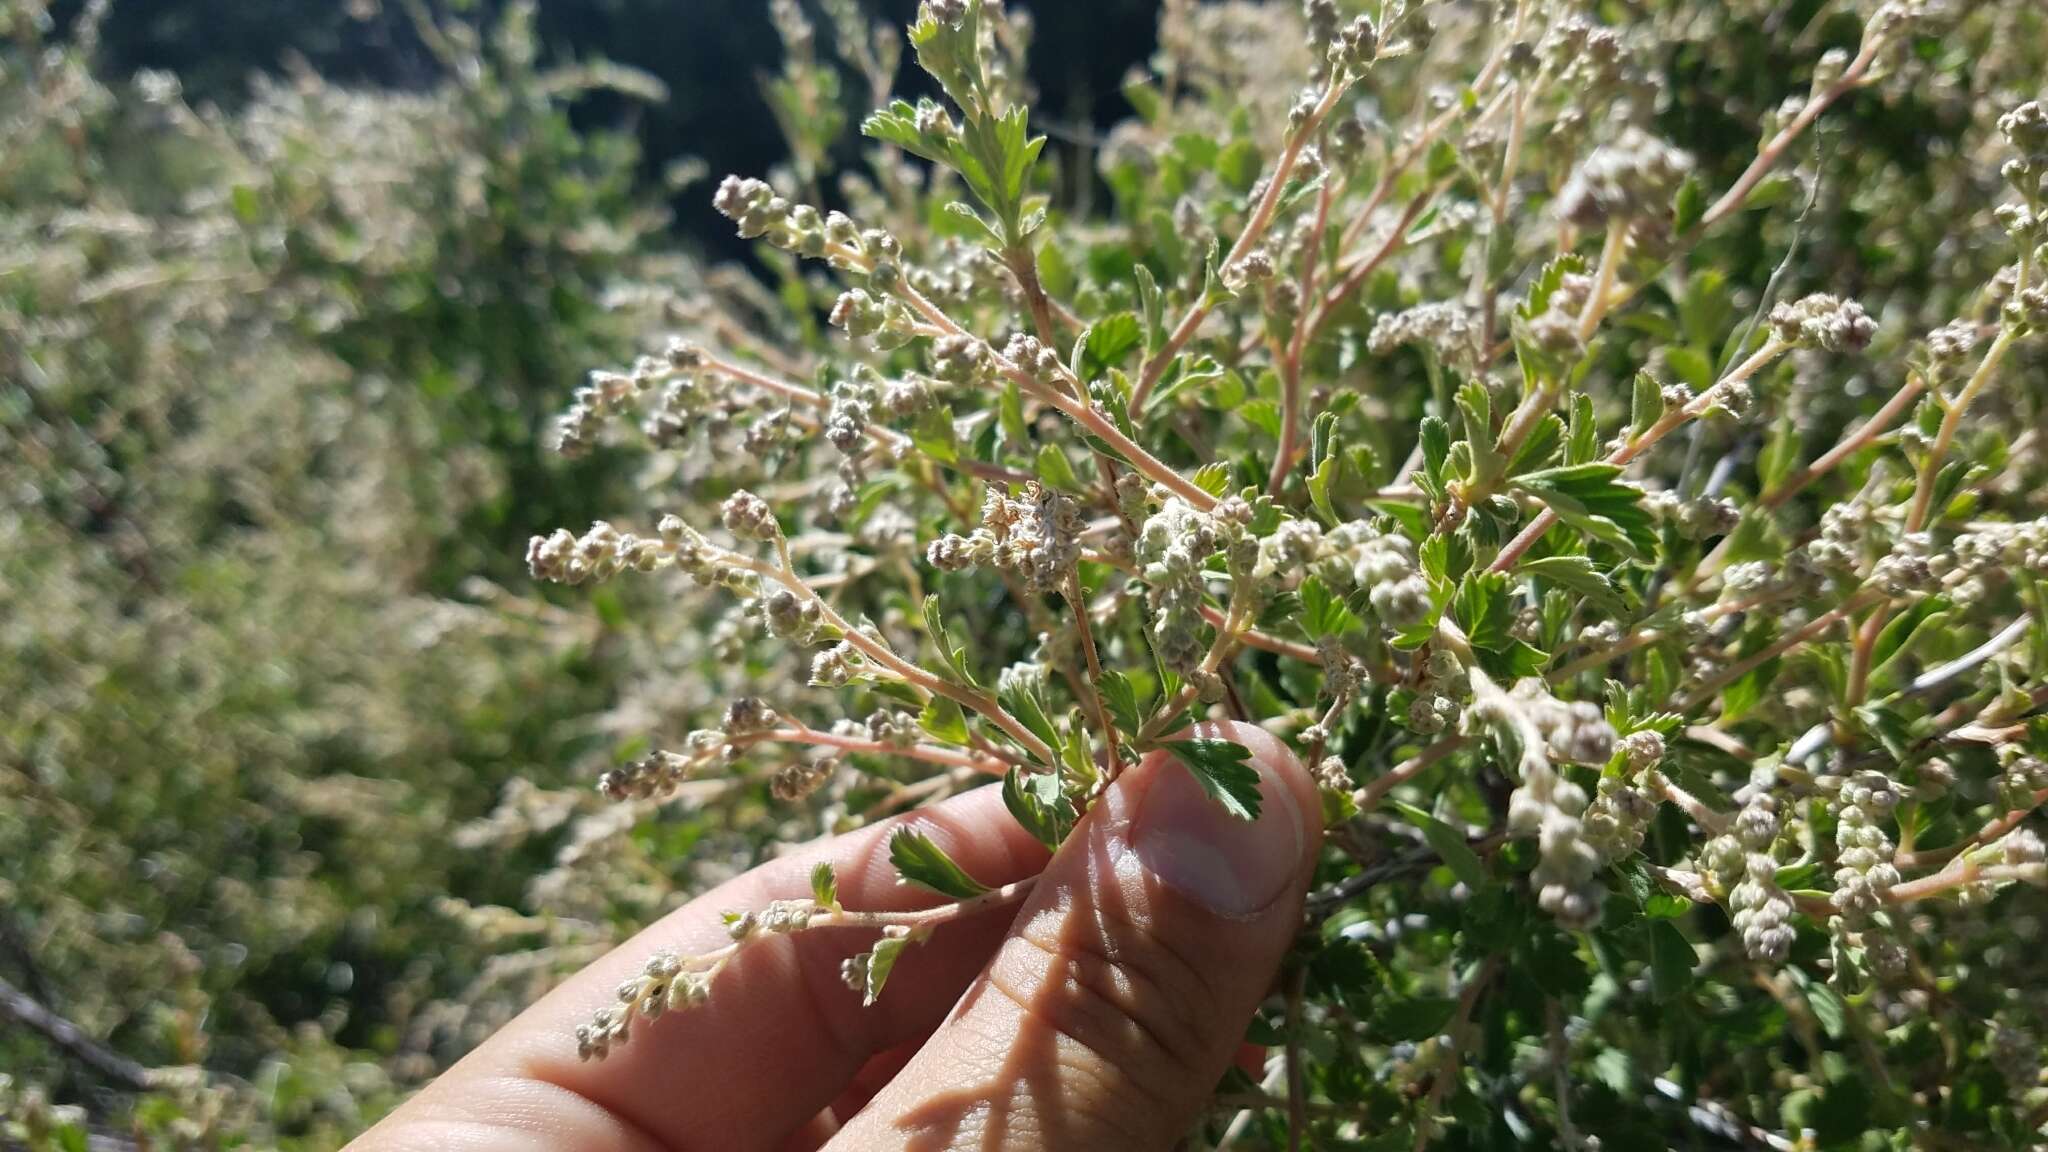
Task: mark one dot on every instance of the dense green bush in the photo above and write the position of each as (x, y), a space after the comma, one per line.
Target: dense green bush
(278, 383)
(1602, 438)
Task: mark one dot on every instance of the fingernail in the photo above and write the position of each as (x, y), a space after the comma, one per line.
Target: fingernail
(1232, 866)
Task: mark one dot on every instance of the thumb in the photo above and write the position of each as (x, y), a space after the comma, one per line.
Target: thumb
(1122, 992)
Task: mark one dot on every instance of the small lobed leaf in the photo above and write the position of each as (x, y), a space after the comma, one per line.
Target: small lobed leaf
(1449, 846)
(1594, 499)
(876, 965)
(1580, 575)
(1039, 805)
(953, 657)
(1106, 343)
(825, 885)
(1056, 471)
(1120, 696)
(1220, 767)
(943, 720)
(921, 862)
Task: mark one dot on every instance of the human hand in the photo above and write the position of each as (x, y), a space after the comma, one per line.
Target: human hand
(1099, 1015)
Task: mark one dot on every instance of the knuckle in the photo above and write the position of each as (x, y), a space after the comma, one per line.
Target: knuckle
(1108, 1089)
(1125, 993)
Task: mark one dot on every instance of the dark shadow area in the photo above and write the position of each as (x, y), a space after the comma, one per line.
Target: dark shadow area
(712, 55)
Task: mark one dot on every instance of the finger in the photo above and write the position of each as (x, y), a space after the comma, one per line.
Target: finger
(779, 1038)
(1122, 993)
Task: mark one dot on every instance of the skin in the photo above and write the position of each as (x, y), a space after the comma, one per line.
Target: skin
(1097, 1015)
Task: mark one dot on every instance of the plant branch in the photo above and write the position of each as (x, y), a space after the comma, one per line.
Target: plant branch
(73, 1040)
(1247, 238)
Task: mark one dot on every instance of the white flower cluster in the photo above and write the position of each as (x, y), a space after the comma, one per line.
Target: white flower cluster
(662, 985)
(761, 213)
(1850, 532)
(1035, 535)
(1632, 179)
(1696, 517)
(1907, 570)
(656, 774)
(1173, 545)
(1988, 555)
(2026, 129)
(1625, 803)
(1863, 849)
(1823, 321)
(1356, 555)
(599, 554)
(1555, 330)
(1448, 328)
(2021, 778)
(1742, 862)
(794, 783)
(1544, 803)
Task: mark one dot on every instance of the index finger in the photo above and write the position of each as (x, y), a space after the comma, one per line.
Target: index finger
(778, 1039)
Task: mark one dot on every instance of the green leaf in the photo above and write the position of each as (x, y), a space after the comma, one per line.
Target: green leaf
(919, 861)
(1039, 805)
(1748, 691)
(1666, 906)
(1054, 469)
(935, 435)
(1328, 460)
(1484, 610)
(1263, 415)
(1415, 1018)
(1106, 343)
(1213, 477)
(1950, 480)
(243, 200)
(825, 885)
(1449, 845)
(1185, 373)
(1221, 769)
(1019, 152)
(943, 719)
(876, 965)
(1593, 499)
(1151, 308)
(1671, 961)
(1582, 435)
(1477, 409)
(897, 124)
(1829, 1008)
(1927, 617)
(1690, 206)
(1779, 457)
(1010, 415)
(1239, 165)
(1143, 96)
(1120, 696)
(977, 225)
(1577, 574)
(1755, 538)
(954, 658)
(1646, 403)
(1546, 284)
(1023, 695)
(1691, 365)
(1323, 614)
(1436, 449)
(1539, 447)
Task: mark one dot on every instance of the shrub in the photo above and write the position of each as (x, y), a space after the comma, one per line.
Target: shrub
(277, 377)
(1597, 437)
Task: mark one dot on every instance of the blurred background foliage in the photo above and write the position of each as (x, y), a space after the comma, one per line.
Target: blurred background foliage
(289, 297)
